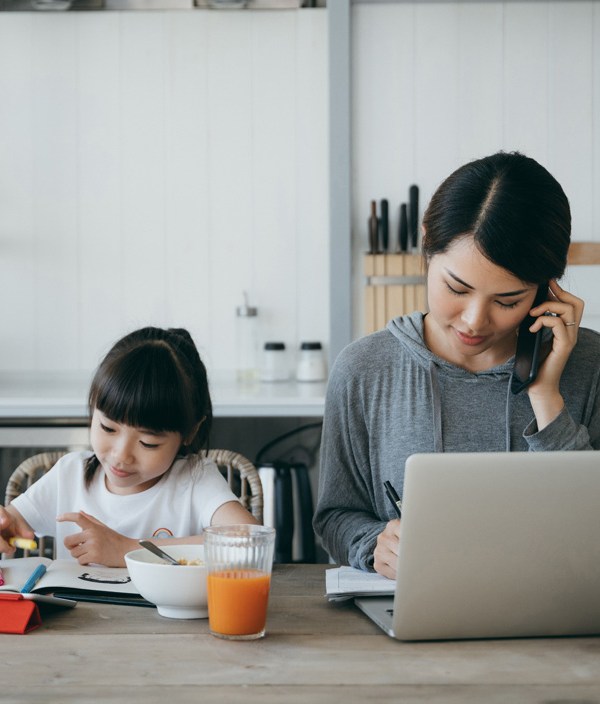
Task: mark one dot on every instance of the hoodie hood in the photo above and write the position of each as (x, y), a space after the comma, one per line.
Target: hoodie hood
(408, 330)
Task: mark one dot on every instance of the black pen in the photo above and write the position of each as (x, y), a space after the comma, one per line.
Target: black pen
(394, 498)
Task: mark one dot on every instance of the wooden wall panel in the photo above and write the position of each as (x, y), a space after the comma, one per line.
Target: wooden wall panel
(470, 79)
(156, 165)
(18, 313)
(100, 253)
(570, 108)
(312, 191)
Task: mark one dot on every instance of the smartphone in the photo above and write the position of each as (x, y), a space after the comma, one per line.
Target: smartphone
(529, 354)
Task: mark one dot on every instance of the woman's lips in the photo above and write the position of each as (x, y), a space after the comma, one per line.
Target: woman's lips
(470, 340)
(119, 472)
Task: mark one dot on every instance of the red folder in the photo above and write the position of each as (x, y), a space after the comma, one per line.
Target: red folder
(17, 614)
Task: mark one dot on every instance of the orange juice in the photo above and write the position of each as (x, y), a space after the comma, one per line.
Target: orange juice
(237, 601)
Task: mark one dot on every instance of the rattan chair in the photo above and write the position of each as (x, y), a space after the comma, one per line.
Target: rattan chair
(241, 474)
(29, 471)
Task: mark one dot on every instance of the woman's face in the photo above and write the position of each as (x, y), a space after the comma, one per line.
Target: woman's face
(475, 307)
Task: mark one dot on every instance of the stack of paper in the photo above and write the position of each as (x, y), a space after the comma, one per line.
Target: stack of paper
(347, 582)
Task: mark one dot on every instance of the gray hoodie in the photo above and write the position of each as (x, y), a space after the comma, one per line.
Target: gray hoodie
(389, 396)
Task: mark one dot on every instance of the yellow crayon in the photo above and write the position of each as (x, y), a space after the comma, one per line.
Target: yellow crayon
(23, 543)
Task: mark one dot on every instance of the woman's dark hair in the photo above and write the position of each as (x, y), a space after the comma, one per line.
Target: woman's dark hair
(516, 211)
(154, 379)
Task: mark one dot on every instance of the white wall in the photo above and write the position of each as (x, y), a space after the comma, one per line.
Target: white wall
(436, 84)
(153, 165)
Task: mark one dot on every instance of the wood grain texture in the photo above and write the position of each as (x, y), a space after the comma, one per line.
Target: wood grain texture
(313, 651)
(584, 253)
(387, 300)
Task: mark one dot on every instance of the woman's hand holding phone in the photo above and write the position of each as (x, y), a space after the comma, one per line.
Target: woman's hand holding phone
(562, 313)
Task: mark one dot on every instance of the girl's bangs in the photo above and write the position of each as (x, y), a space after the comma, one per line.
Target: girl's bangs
(141, 396)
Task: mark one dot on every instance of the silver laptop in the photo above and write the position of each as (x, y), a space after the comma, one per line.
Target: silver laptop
(496, 545)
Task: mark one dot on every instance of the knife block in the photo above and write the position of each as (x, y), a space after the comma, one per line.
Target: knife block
(395, 285)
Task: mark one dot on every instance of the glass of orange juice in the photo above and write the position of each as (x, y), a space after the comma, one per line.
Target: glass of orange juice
(239, 559)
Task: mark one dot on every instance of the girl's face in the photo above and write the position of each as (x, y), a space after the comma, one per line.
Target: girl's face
(475, 307)
(133, 459)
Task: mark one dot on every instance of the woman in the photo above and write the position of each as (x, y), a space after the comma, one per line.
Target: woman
(495, 231)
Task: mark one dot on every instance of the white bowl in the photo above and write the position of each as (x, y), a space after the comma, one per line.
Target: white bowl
(179, 591)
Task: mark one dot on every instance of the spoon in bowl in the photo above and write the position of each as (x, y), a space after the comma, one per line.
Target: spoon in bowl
(157, 551)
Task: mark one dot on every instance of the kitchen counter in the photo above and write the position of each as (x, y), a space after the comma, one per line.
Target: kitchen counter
(50, 409)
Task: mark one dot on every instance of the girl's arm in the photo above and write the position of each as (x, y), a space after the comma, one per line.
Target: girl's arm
(97, 543)
(231, 513)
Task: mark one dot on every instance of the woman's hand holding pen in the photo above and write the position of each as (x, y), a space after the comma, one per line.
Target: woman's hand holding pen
(562, 313)
(386, 550)
(96, 542)
(12, 524)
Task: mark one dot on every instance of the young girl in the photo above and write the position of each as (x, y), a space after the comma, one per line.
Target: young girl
(496, 231)
(151, 414)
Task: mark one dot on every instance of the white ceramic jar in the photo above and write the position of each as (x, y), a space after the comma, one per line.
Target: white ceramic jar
(274, 366)
(311, 363)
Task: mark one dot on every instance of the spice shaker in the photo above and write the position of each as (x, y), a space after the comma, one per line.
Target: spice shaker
(274, 365)
(311, 362)
(247, 341)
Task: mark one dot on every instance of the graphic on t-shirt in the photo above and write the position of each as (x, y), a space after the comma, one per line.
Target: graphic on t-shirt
(162, 533)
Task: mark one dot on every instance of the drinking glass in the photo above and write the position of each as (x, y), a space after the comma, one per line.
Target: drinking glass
(239, 559)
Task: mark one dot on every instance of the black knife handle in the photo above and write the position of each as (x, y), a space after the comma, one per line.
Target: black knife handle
(384, 226)
(403, 233)
(284, 514)
(413, 196)
(373, 228)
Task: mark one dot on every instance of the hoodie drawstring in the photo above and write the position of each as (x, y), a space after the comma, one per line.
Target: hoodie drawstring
(436, 407)
(507, 417)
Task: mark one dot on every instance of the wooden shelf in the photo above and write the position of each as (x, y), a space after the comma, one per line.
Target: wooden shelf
(584, 253)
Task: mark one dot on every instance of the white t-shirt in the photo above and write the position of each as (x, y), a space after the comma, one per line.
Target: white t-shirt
(181, 503)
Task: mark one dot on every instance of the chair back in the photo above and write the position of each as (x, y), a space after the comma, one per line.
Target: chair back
(243, 479)
(29, 471)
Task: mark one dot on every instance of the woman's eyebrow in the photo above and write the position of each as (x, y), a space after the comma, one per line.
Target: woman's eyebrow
(506, 294)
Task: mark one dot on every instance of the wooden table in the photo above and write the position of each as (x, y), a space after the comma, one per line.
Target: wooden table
(314, 651)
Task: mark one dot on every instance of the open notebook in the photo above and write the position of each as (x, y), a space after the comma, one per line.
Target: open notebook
(496, 545)
(69, 579)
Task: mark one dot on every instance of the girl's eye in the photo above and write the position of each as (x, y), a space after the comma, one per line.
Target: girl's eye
(508, 305)
(148, 445)
(106, 428)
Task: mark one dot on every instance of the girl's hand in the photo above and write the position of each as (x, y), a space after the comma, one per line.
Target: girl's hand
(567, 310)
(386, 550)
(12, 525)
(96, 542)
